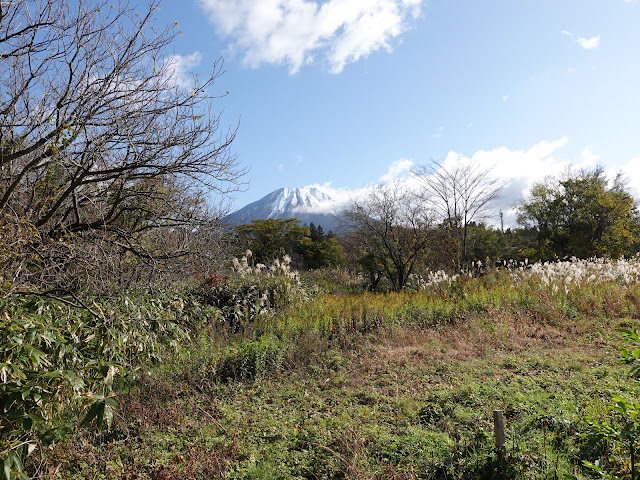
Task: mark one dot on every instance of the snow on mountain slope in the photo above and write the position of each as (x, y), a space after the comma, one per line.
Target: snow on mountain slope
(307, 204)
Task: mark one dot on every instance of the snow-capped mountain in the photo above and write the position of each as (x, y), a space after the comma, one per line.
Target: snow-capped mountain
(307, 204)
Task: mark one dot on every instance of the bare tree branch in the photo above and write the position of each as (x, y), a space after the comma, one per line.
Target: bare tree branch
(96, 134)
(392, 229)
(461, 194)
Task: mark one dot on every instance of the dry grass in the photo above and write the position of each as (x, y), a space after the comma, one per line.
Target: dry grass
(489, 335)
(196, 462)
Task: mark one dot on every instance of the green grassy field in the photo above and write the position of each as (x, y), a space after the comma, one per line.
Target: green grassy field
(378, 386)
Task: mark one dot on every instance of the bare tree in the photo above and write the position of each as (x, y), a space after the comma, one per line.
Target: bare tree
(391, 228)
(98, 136)
(461, 194)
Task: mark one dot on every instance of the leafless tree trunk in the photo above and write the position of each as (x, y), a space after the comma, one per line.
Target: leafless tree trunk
(461, 194)
(97, 134)
(392, 230)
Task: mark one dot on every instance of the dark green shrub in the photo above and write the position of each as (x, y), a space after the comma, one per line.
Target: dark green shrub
(57, 360)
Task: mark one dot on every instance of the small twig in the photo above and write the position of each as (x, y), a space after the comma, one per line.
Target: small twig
(339, 457)
(218, 424)
(50, 294)
(15, 447)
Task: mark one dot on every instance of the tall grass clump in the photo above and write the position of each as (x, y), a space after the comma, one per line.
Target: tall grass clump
(240, 343)
(250, 359)
(548, 293)
(251, 292)
(594, 287)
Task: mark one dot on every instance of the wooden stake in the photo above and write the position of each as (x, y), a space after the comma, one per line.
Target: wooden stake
(498, 430)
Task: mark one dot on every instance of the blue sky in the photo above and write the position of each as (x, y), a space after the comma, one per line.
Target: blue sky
(346, 93)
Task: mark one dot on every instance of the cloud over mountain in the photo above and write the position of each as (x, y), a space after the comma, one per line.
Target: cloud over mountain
(518, 170)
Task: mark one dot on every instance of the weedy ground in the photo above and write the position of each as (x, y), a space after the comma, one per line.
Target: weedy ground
(386, 386)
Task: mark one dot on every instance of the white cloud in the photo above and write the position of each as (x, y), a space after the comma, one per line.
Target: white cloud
(587, 43)
(589, 159)
(399, 168)
(438, 133)
(340, 197)
(631, 171)
(180, 68)
(518, 165)
(295, 32)
(518, 169)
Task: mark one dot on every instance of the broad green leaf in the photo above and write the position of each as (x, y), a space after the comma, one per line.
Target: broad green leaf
(96, 409)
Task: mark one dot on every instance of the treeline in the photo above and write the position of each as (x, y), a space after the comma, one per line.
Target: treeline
(270, 239)
(393, 234)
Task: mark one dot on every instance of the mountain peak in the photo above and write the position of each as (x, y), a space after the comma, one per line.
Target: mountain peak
(298, 199)
(307, 204)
